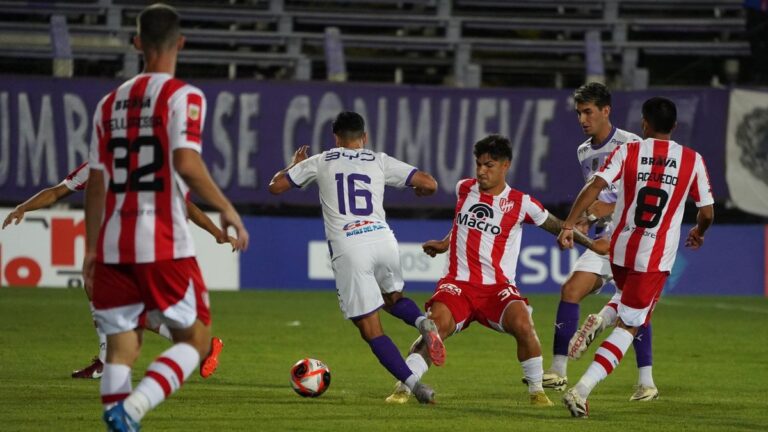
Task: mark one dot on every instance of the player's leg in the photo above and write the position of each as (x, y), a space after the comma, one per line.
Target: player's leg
(389, 356)
(450, 310)
(578, 285)
(516, 320)
(95, 368)
(640, 292)
(646, 389)
(175, 292)
(389, 277)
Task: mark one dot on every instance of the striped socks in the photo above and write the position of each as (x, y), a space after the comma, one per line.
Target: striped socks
(607, 357)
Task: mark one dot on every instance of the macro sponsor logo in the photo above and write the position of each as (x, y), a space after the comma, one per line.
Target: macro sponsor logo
(476, 218)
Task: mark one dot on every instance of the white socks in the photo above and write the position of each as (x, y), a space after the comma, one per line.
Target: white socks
(164, 376)
(609, 315)
(645, 376)
(559, 365)
(115, 384)
(100, 334)
(607, 357)
(533, 369)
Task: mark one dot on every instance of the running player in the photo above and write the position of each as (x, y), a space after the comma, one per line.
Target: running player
(145, 159)
(593, 271)
(479, 283)
(653, 177)
(364, 253)
(76, 181)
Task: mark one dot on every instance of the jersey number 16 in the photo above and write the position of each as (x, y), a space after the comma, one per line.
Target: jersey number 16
(352, 193)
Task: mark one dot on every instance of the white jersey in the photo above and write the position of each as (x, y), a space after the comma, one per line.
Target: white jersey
(351, 183)
(591, 158)
(137, 127)
(654, 178)
(486, 233)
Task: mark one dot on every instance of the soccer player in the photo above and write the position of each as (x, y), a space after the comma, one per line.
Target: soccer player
(593, 271)
(364, 253)
(145, 159)
(479, 282)
(654, 177)
(76, 181)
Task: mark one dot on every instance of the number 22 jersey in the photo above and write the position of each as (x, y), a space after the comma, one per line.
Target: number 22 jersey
(136, 128)
(351, 183)
(654, 178)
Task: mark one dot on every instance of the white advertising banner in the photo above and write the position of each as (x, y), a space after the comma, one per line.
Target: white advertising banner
(746, 169)
(47, 249)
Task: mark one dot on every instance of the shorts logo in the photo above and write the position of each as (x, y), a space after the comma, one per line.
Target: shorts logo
(450, 289)
(506, 205)
(193, 112)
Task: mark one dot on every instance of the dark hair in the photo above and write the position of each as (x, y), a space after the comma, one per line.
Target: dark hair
(496, 146)
(593, 92)
(349, 125)
(158, 26)
(660, 113)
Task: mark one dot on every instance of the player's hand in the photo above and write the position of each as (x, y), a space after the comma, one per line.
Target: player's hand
(600, 209)
(17, 214)
(582, 225)
(601, 246)
(565, 239)
(300, 154)
(230, 218)
(89, 264)
(694, 240)
(421, 192)
(231, 240)
(435, 247)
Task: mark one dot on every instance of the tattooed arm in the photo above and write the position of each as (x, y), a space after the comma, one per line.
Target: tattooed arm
(553, 226)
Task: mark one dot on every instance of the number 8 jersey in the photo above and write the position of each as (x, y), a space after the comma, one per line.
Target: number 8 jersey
(136, 128)
(351, 183)
(654, 178)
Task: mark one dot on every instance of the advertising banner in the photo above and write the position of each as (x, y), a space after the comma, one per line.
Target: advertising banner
(252, 129)
(48, 246)
(291, 253)
(747, 151)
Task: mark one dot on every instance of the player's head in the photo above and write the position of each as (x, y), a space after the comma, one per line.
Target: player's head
(659, 117)
(349, 130)
(493, 155)
(158, 29)
(593, 107)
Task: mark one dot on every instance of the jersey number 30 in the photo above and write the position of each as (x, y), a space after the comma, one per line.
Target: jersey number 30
(127, 178)
(352, 193)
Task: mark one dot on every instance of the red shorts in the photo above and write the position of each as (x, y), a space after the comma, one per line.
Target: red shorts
(474, 302)
(640, 291)
(174, 289)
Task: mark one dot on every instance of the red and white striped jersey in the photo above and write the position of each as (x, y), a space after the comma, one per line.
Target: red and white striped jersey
(136, 129)
(654, 179)
(77, 179)
(486, 233)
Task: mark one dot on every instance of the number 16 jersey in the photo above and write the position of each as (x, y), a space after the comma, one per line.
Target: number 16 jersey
(136, 129)
(351, 183)
(654, 179)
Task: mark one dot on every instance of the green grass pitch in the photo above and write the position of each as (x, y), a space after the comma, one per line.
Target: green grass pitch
(710, 364)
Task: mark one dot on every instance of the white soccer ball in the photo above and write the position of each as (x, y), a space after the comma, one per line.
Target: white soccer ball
(310, 377)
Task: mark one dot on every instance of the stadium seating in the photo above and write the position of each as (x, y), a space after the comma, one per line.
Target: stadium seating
(513, 42)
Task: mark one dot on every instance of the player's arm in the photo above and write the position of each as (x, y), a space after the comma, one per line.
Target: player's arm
(436, 247)
(704, 219)
(42, 199)
(423, 184)
(587, 196)
(280, 182)
(203, 221)
(192, 169)
(554, 225)
(599, 209)
(95, 193)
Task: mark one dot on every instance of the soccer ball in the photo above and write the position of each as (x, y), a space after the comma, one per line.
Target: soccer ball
(310, 377)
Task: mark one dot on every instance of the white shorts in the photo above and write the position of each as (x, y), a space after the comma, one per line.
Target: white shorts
(591, 262)
(363, 273)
